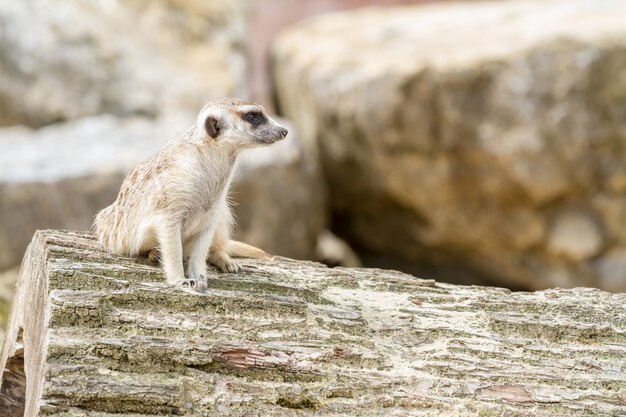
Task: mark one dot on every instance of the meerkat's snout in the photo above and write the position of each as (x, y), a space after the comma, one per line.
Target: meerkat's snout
(282, 133)
(270, 132)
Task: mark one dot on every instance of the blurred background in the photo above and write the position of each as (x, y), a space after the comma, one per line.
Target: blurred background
(471, 142)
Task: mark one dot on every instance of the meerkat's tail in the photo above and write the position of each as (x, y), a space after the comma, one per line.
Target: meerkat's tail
(243, 250)
(107, 232)
(99, 225)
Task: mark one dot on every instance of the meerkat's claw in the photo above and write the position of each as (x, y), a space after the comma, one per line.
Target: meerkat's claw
(197, 283)
(223, 262)
(228, 265)
(200, 283)
(232, 267)
(191, 283)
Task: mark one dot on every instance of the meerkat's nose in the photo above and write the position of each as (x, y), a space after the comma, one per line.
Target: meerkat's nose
(284, 132)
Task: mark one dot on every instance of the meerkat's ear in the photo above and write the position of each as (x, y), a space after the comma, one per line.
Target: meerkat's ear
(212, 126)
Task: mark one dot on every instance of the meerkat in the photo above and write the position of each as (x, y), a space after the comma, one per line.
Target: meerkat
(176, 202)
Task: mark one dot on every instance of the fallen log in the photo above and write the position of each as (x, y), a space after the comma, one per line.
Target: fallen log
(92, 334)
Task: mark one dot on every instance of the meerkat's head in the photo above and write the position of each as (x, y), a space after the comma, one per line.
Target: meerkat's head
(236, 122)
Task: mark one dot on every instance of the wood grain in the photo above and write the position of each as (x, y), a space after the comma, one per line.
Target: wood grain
(104, 336)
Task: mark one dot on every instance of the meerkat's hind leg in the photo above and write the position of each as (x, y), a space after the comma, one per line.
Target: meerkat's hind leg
(154, 258)
(223, 262)
(146, 244)
(218, 255)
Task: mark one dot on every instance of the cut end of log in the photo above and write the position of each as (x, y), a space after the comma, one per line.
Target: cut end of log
(92, 334)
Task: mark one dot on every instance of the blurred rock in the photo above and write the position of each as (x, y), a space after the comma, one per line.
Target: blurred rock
(611, 269)
(64, 60)
(269, 17)
(61, 175)
(612, 209)
(575, 235)
(460, 134)
(333, 251)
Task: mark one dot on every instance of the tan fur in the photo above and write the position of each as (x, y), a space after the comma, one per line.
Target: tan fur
(243, 250)
(176, 202)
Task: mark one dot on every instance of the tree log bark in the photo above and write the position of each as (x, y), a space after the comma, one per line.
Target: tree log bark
(92, 334)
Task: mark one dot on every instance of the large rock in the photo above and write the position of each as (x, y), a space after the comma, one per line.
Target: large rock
(92, 334)
(61, 175)
(64, 60)
(486, 135)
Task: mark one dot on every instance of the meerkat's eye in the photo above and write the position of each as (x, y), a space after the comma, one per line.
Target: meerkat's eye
(254, 118)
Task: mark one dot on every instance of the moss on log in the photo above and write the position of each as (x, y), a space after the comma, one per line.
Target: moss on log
(92, 334)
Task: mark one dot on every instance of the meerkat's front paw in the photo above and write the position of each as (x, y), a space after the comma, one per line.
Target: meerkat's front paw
(197, 283)
(201, 283)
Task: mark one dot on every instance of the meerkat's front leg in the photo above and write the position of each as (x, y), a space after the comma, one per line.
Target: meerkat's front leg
(196, 268)
(171, 248)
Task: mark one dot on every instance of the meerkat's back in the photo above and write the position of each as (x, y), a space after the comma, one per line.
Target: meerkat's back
(119, 226)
